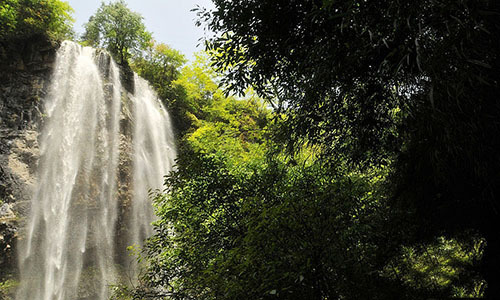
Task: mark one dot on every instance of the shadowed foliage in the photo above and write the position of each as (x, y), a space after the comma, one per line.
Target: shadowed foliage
(367, 81)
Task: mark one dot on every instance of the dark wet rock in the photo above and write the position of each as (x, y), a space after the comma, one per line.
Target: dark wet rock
(25, 70)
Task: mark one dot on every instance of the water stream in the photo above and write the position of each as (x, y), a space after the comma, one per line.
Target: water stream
(69, 249)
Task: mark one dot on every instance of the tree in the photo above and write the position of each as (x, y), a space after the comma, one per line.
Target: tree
(376, 81)
(118, 29)
(160, 65)
(240, 219)
(26, 18)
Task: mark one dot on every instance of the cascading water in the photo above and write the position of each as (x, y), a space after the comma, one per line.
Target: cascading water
(152, 156)
(69, 249)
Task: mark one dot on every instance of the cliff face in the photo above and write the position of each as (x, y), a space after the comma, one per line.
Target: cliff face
(25, 68)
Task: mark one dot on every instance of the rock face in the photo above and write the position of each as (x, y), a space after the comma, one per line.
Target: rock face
(25, 68)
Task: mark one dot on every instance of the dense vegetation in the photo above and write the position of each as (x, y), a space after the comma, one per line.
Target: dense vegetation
(413, 85)
(23, 19)
(389, 178)
(353, 154)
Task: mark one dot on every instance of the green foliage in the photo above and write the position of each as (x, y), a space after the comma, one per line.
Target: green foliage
(7, 287)
(25, 18)
(225, 124)
(215, 126)
(198, 82)
(445, 265)
(290, 229)
(206, 119)
(118, 29)
(160, 65)
(230, 232)
(235, 128)
(269, 229)
(217, 122)
(8, 16)
(372, 82)
(120, 292)
(242, 219)
(236, 223)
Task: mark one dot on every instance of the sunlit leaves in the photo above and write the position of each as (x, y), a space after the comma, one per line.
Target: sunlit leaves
(220, 123)
(440, 265)
(160, 64)
(260, 227)
(118, 29)
(24, 18)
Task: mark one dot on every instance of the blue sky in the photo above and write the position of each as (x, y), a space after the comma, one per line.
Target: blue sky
(171, 21)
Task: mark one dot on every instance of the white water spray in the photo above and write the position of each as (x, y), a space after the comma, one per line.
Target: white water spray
(69, 251)
(153, 156)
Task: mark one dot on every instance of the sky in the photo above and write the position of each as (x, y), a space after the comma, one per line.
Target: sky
(170, 21)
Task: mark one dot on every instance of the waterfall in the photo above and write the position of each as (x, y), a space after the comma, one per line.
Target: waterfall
(69, 249)
(152, 156)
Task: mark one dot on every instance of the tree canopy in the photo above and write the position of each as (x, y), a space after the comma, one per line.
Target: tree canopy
(25, 18)
(372, 82)
(118, 29)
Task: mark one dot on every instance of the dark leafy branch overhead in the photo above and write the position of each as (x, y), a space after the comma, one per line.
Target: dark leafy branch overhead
(340, 69)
